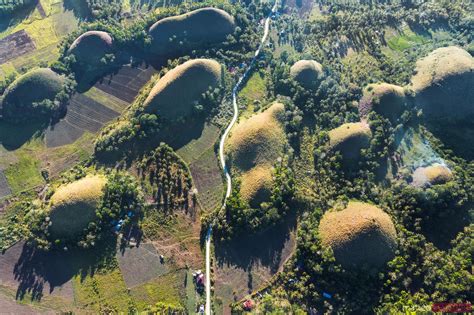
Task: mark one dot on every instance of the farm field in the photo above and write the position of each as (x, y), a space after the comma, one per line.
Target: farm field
(235, 157)
(204, 165)
(35, 39)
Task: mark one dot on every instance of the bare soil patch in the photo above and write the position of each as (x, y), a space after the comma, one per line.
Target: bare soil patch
(141, 264)
(15, 45)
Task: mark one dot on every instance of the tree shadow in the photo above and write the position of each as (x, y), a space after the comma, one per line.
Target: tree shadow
(265, 248)
(13, 136)
(78, 7)
(36, 268)
(18, 16)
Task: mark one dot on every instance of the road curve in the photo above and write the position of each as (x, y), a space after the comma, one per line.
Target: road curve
(235, 116)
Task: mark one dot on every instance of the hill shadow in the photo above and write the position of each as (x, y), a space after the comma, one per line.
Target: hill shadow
(13, 136)
(441, 228)
(266, 248)
(8, 20)
(36, 268)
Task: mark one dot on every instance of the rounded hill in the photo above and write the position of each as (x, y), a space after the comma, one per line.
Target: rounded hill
(444, 82)
(259, 139)
(361, 235)
(73, 206)
(385, 99)
(349, 139)
(435, 174)
(176, 92)
(33, 87)
(307, 73)
(91, 47)
(256, 185)
(192, 30)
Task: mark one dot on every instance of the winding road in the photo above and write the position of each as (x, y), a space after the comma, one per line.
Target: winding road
(235, 116)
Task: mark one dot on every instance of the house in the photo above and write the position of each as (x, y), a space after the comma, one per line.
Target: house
(248, 305)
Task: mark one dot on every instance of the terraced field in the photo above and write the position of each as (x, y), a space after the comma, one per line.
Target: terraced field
(90, 111)
(126, 83)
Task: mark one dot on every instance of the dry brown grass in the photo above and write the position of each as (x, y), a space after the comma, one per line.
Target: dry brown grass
(258, 140)
(361, 235)
(308, 73)
(386, 99)
(73, 206)
(176, 92)
(349, 139)
(191, 30)
(256, 185)
(435, 174)
(91, 47)
(444, 82)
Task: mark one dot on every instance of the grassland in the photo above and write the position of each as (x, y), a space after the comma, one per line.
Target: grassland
(103, 292)
(174, 94)
(25, 173)
(252, 94)
(404, 39)
(257, 140)
(167, 289)
(73, 206)
(196, 28)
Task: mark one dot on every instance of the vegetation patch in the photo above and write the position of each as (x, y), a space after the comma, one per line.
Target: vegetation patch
(359, 235)
(167, 289)
(32, 95)
(167, 178)
(25, 174)
(102, 292)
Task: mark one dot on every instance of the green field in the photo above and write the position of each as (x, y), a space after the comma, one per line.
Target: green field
(103, 292)
(253, 94)
(25, 174)
(404, 40)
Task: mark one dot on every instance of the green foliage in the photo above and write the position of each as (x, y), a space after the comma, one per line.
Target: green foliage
(8, 7)
(122, 200)
(38, 95)
(167, 178)
(163, 308)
